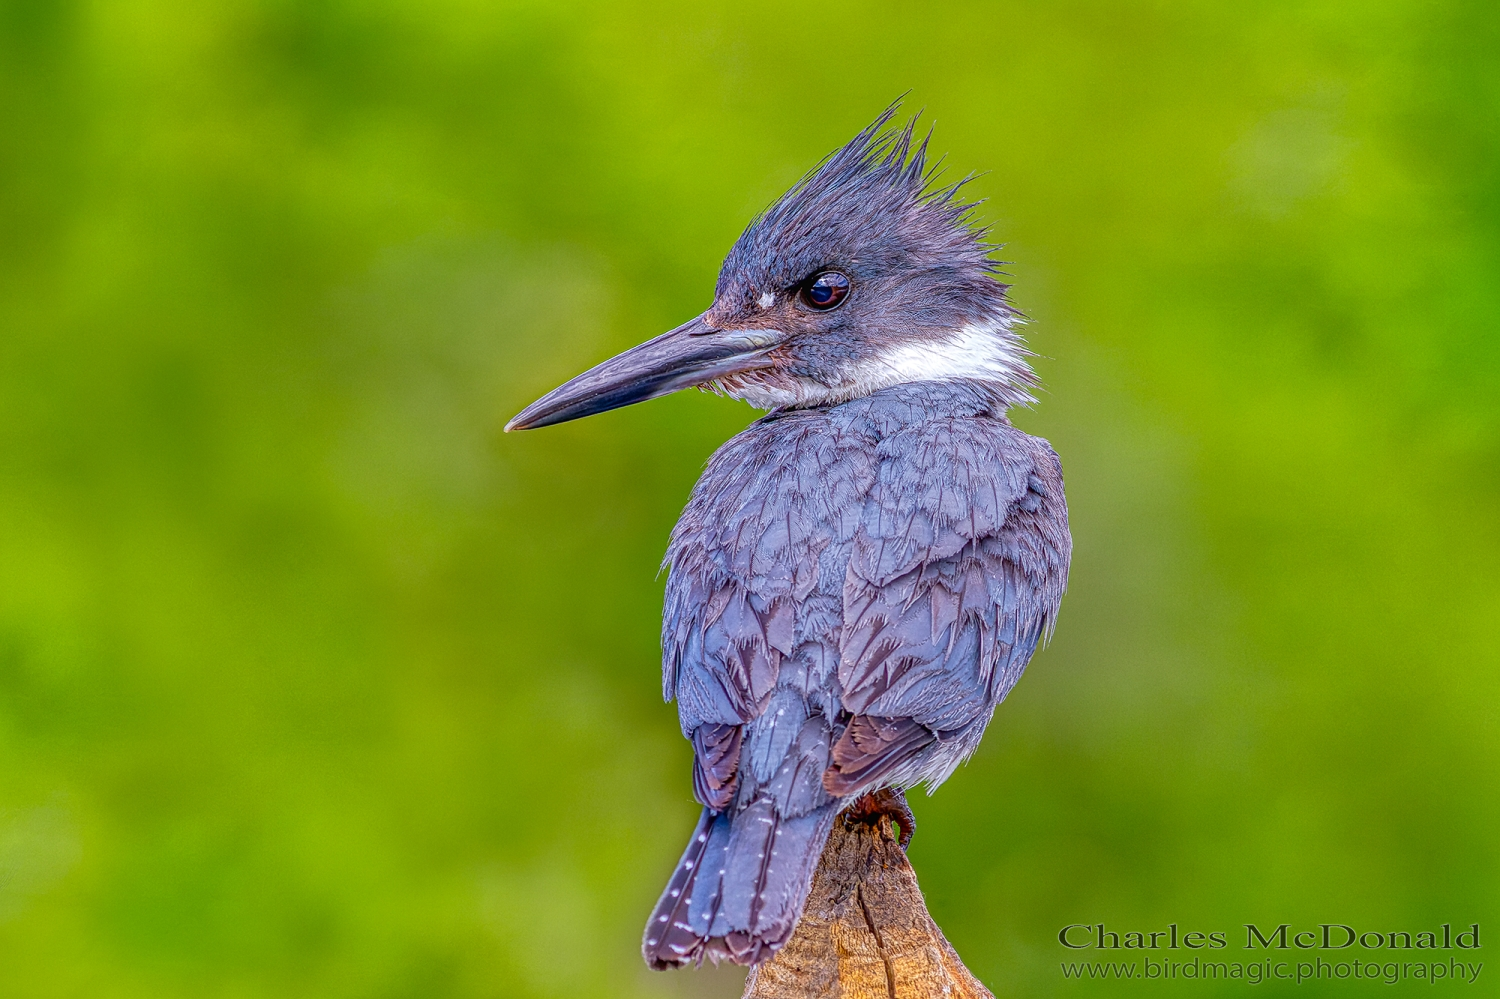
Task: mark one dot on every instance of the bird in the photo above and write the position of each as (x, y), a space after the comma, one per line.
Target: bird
(860, 576)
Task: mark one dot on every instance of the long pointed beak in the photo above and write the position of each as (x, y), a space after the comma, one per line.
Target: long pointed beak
(692, 354)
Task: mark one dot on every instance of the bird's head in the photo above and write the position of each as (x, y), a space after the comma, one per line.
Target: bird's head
(860, 277)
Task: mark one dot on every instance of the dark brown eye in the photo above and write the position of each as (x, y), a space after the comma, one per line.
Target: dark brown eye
(825, 291)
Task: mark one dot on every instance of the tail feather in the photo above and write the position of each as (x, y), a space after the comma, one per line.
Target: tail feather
(739, 888)
(738, 891)
(670, 939)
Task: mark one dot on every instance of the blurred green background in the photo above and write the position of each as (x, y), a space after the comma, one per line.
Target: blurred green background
(313, 683)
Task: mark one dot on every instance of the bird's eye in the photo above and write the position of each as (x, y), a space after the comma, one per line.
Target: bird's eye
(825, 291)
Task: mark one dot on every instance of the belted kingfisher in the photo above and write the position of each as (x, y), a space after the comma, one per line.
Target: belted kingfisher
(860, 576)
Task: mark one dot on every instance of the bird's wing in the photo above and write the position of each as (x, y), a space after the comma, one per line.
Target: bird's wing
(955, 574)
(722, 655)
(745, 568)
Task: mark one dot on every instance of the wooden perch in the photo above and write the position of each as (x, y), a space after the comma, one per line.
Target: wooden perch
(865, 932)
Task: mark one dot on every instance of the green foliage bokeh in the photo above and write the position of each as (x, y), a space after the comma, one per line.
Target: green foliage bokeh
(314, 683)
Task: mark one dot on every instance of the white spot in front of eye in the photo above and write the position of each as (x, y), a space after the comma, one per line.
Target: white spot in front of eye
(766, 300)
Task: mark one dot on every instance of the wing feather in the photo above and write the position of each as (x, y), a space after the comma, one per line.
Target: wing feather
(943, 607)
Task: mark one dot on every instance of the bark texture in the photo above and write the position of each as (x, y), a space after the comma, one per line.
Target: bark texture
(865, 932)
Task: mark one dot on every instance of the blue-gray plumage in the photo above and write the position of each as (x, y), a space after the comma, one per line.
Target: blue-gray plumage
(860, 576)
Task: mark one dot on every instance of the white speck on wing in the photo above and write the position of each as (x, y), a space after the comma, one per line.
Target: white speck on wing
(766, 300)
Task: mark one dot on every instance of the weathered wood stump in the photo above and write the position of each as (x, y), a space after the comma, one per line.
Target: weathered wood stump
(865, 932)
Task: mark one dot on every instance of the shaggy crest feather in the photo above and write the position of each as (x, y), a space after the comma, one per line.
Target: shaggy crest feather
(875, 191)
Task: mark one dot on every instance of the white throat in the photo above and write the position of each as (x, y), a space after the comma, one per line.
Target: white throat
(989, 351)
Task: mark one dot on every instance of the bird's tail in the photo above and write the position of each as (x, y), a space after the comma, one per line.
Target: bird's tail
(739, 888)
